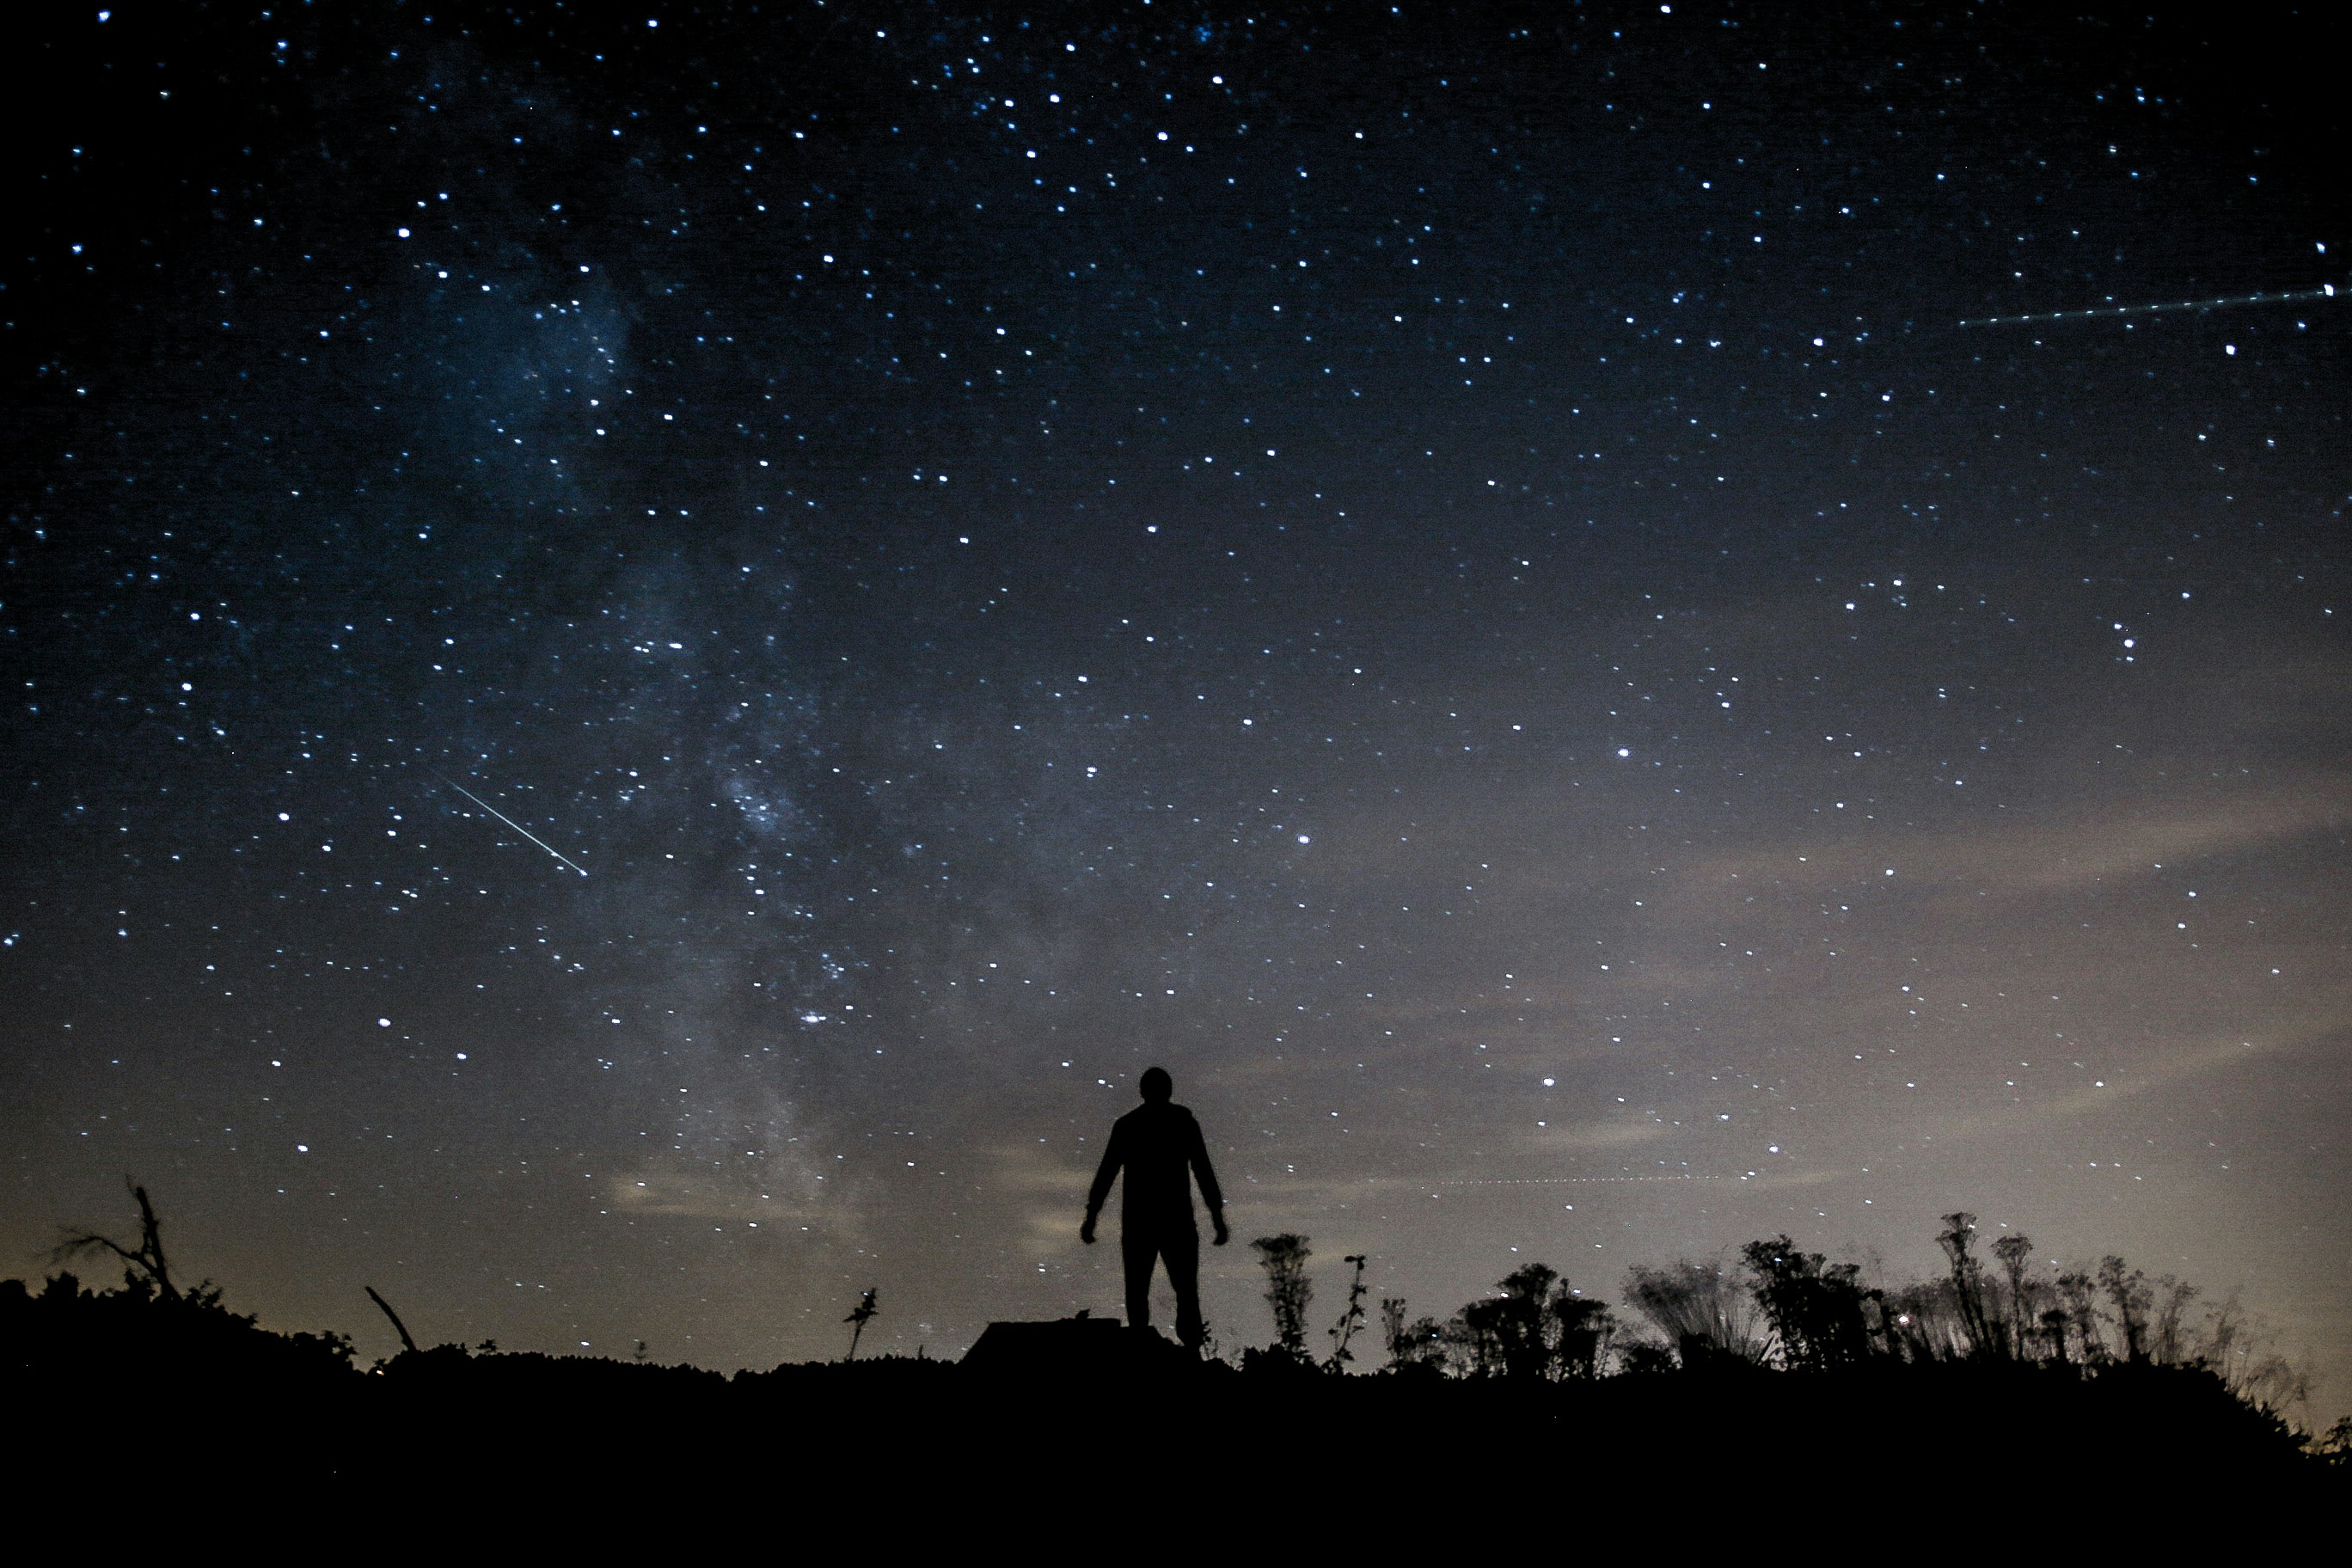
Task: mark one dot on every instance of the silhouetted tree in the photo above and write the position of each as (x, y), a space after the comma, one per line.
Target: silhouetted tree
(2014, 1251)
(2241, 1350)
(1504, 1335)
(2167, 1340)
(1641, 1359)
(1815, 1307)
(2074, 1297)
(1535, 1327)
(1350, 1321)
(1287, 1289)
(1392, 1329)
(1426, 1343)
(2131, 1298)
(2053, 1331)
(2268, 1382)
(1581, 1333)
(859, 1316)
(1958, 1238)
(147, 1258)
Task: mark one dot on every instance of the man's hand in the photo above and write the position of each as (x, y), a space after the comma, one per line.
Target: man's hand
(1087, 1231)
(1222, 1235)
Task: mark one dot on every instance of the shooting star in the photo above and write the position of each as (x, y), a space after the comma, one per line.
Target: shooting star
(1567, 1181)
(2218, 302)
(518, 826)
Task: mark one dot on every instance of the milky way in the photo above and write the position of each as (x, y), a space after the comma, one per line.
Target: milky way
(1445, 574)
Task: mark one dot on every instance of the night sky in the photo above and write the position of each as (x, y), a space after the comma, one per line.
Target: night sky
(1450, 575)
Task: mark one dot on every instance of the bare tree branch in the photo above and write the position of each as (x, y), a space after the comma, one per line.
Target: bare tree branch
(147, 1257)
(397, 1326)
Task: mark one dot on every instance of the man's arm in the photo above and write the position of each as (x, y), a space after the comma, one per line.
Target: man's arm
(1203, 1173)
(1114, 1156)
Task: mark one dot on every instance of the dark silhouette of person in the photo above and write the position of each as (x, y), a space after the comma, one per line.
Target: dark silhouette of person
(1158, 1145)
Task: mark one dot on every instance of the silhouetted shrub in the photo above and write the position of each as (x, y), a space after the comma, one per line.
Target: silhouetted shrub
(1535, 1329)
(1816, 1308)
(1703, 1310)
(66, 1334)
(1287, 1289)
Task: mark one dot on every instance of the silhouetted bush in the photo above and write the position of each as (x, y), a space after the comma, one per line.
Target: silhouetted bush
(1706, 1312)
(1818, 1309)
(2081, 1375)
(68, 1335)
(1287, 1289)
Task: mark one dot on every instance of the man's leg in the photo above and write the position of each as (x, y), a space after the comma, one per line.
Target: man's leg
(1181, 1245)
(1136, 1248)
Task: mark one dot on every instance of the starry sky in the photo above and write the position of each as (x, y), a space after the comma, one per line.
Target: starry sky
(651, 654)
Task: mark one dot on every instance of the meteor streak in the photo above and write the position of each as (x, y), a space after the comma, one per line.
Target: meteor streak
(1567, 1181)
(518, 826)
(2219, 301)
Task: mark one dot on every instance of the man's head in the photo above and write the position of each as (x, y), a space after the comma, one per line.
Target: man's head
(1157, 1086)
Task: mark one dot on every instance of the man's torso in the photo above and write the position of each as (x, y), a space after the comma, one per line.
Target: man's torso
(1157, 1143)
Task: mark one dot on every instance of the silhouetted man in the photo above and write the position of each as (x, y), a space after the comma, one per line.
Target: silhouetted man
(1158, 1145)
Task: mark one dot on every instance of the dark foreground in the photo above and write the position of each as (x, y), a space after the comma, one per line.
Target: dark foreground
(192, 1416)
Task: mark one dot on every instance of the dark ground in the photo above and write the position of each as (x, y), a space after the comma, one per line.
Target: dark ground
(147, 1411)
